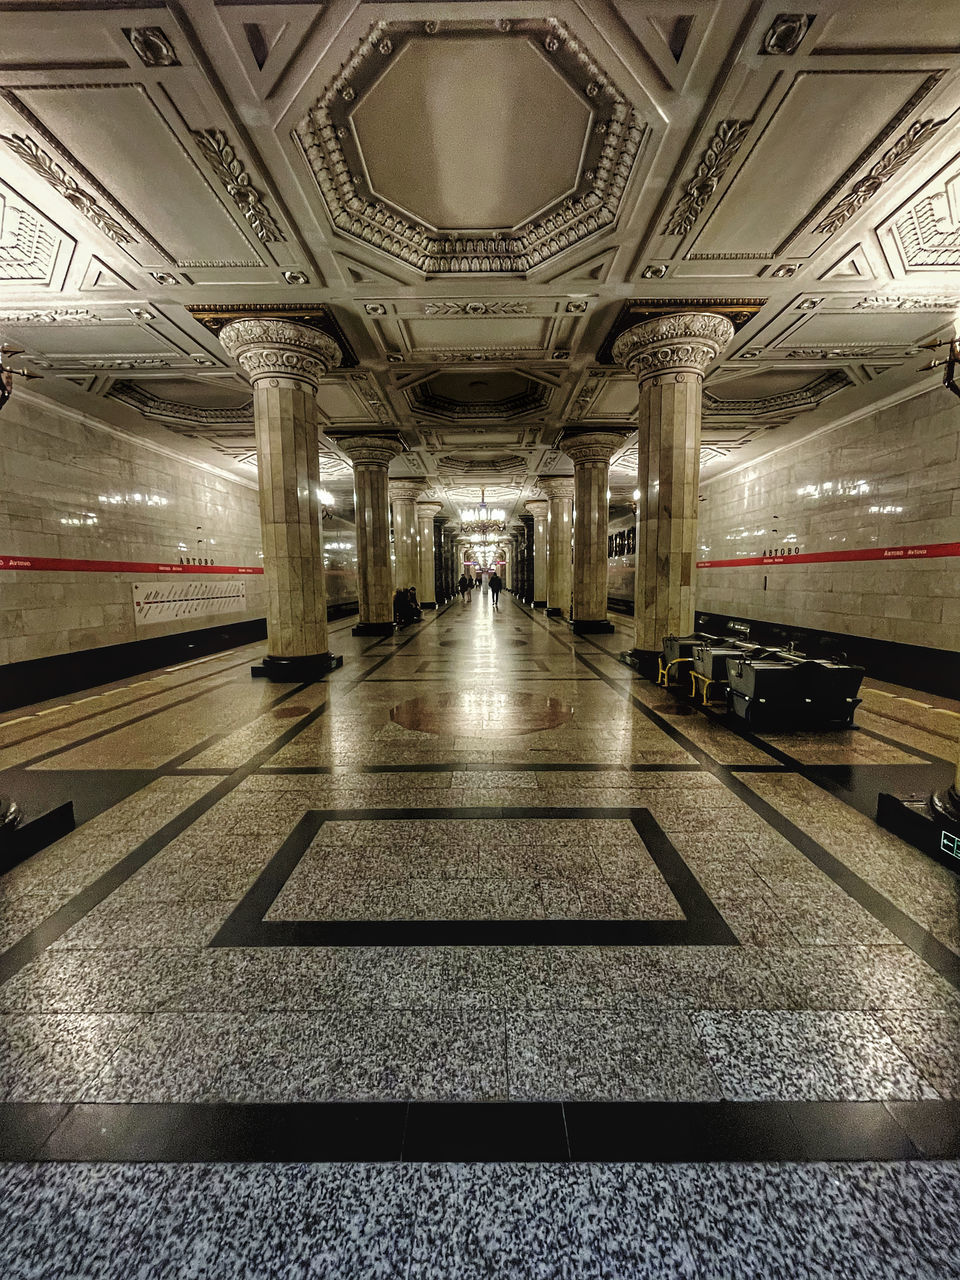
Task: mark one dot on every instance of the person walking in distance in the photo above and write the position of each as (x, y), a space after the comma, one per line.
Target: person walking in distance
(463, 586)
(495, 584)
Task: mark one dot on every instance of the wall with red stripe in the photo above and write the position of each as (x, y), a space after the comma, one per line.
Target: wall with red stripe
(86, 514)
(855, 530)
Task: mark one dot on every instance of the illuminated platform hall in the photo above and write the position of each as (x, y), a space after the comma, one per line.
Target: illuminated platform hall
(480, 640)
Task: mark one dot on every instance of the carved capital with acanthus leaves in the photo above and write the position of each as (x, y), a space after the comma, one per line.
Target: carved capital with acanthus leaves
(428, 510)
(370, 451)
(684, 343)
(556, 486)
(591, 447)
(405, 491)
(270, 348)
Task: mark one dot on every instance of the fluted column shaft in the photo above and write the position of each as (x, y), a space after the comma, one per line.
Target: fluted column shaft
(559, 491)
(426, 568)
(591, 455)
(371, 457)
(668, 357)
(539, 509)
(285, 361)
(406, 566)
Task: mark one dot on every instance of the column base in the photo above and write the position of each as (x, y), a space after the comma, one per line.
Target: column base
(916, 819)
(644, 661)
(591, 626)
(428, 604)
(374, 629)
(539, 604)
(302, 669)
(555, 613)
(945, 804)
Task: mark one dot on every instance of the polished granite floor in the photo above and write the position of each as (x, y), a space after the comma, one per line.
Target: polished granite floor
(564, 978)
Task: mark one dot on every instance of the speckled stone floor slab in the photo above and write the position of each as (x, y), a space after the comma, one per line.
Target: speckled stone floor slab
(793, 994)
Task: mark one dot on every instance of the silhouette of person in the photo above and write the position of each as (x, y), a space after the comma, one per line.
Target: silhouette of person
(496, 583)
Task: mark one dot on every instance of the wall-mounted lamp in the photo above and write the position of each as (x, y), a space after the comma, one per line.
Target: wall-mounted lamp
(949, 365)
(7, 374)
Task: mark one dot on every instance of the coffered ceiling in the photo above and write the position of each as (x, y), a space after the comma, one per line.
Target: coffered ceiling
(470, 195)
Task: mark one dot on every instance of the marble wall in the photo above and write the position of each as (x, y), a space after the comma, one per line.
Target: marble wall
(885, 481)
(71, 489)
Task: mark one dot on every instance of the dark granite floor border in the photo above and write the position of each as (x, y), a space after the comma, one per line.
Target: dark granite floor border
(480, 1131)
(36, 941)
(935, 953)
(246, 927)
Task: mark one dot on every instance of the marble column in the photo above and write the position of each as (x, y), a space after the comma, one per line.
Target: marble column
(559, 491)
(406, 562)
(590, 454)
(538, 508)
(285, 362)
(426, 574)
(668, 356)
(371, 456)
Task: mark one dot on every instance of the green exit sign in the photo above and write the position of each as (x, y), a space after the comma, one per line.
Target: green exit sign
(950, 844)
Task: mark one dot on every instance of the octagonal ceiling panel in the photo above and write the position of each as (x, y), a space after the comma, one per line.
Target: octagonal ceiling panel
(452, 181)
(484, 162)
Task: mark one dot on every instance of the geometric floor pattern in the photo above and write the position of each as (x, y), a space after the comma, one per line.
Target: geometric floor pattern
(561, 977)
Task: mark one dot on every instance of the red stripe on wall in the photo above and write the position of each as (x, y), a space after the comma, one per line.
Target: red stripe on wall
(116, 566)
(929, 551)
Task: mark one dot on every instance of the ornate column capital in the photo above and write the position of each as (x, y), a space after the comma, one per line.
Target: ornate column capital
(537, 508)
(370, 451)
(592, 446)
(556, 486)
(428, 510)
(267, 347)
(405, 491)
(678, 344)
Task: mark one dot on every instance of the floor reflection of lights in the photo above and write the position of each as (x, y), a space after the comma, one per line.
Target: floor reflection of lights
(481, 713)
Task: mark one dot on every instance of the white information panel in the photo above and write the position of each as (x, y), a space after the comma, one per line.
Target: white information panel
(178, 599)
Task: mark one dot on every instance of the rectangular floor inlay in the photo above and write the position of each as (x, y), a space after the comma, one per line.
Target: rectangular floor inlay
(258, 920)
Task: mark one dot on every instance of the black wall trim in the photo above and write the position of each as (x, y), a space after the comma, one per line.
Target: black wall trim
(481, 1131)
(22, 683)
(931, 670)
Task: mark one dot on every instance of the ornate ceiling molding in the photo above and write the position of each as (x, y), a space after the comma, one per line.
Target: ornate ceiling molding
(880, 302)
(612, 148)
(154, 406)
(464, 464)
(425, 400)
(927, 233)
(902, 151)
(28, 241)
(42, 163)
(232, 175)
(714, 161)
(782, 407)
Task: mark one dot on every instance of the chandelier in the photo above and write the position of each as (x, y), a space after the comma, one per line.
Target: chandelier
(6, 373)
(482, 520)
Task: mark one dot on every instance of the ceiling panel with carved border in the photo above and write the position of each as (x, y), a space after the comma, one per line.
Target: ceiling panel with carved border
(475, 197)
